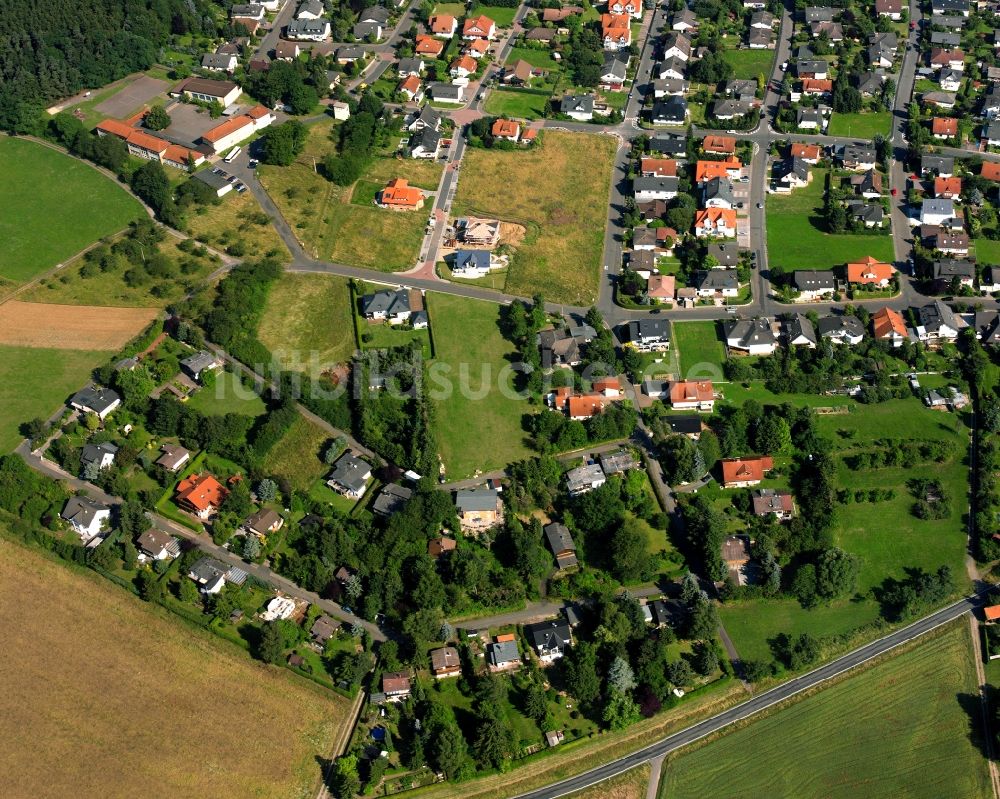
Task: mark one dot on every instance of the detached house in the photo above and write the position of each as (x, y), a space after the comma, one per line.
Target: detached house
(937, 322)
(393, 306)
(86, 516)
(201, 495)
(350, 476)
(478, 508)
(692, 395)
(481, 27)
(649, 334)
(893, 9)
(157, 545)
(616, 31)
(946, 272)
(562, 545)
(767, 501)
(842, 329)
(814, 284)
(888, 325)
(445, 663)
(502, 653)
(800, 332)
(584, 479)
(549, 639)
(751, 336)
(399, 195)
(578, 106)
(717, 282)
(718, 222)
(869, 272)
(173, 457)
(443, 25)
(99, 401)
(655, 188)
(744, 472)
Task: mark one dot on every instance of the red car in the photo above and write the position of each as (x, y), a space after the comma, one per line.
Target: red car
(893, 192)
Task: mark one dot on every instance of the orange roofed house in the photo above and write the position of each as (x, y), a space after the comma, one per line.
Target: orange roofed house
(948, 188)
(721, 145)
(869, 272)
(944, 127)
(809, 153)
(428, 45)
(201, 495)
(888, 325)
(717, 222)
(990, 170)
(481, 27)
(704, 171)
(692, 395)
(743, 472)
(236, 129)
(616, 31)
(399, 194)
(443, 25)
(658, 167)
(506, 129)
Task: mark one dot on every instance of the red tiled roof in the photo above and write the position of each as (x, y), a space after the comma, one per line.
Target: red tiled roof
(147, 142)
(428, 45)
(807, 151)
(816, 85)
(586, 405)
(947, 186)
(661, 167)
(478, 25)
(944, 126)
(868, 271)
(992, 613)
(886, 321)
(706, 170)
(742, 470)
(200, 492)
(990, 170)
(398, 191)
(719, 144)
(442, 23)
(691, 391)
(115, 128)
(505, 128)
(661, 287)
(227, 127)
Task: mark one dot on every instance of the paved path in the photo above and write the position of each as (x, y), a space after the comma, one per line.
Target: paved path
(758, 703)
(653, 788)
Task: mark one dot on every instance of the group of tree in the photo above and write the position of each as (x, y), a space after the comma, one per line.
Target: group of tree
(359, 137)
(281, 144)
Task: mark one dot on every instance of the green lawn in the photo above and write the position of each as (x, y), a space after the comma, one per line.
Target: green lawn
(987, 251)
(537, 58)
(902, 728)
(296, 456)
(517, 103)
(860, 126)
(750, 64)
(307, 315)
(885, 535)
(795, 239)
(52, 206)
(35, 382)
(228, 395)
(383, 335)
(473, 432)
(365, 192)
(701, 349)
(501, 15)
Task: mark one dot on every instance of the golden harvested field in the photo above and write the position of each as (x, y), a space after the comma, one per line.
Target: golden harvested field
(238, 218)
(308, 314)
(330, 227)
(79, 327)
(630, 785)
(107, 697)
(559, 191)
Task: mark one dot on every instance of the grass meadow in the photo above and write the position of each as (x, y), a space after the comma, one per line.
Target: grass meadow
(749, 64)
(565, 213)
(237, 221)
(795, 239)
(35, 382)
(52, 206)
(307, 313)
(150, 694)
(472, 433)
(860, 126)
(296, 457)
(698, 343)
(227, 395)
(901, 728)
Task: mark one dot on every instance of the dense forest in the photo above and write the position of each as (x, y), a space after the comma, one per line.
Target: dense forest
(53, 49)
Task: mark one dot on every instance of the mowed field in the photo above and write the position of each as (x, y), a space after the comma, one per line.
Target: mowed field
(885, 535)
(32, 324)
(34, 382)
(796, 240)
(332, 228)
(307, 322)
(474, 432)
(120, 694)
(749, 64)
(52, 206)
(701, 349)
(558, 190)
(902, 728)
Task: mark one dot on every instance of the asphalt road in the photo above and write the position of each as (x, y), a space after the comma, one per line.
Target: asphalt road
(758, 703)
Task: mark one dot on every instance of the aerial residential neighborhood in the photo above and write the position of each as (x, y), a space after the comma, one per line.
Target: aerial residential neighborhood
(524, 398)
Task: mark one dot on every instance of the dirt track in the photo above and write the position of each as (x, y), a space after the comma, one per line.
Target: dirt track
(84, 327)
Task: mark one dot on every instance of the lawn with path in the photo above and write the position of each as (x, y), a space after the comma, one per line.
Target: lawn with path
(35, 382)
(478, 428)
(901, 728)
(52, 206)
(565, 213)
(307, 322)
(796, 239)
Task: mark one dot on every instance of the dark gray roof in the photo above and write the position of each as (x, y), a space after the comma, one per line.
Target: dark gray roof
(94, 453)
(200, 361)
(948, 268)
(499, 653)
(477, 259)
(738, 87)
(618, 461)
(426, 137)
(813, 280)
(374, 14)
(476, 499)
(449, 91)
(390, 499)
(796, 166)
(857, 153)
(800, 327)
(684, 424)
(313, 7)
(812, 67)
(667, 184)
(809, 115)
(386, 302)
(937, 163)
(650, 329)
(614, 66)
(716, 279)
(208, 570)
(212, 179)
(350, 52)
(362, 30)
(750, 332)
(945, 38)
(718, 189)
(668, 145)
(350, 472)
(95, 399)
(725, 254)
(549, 635)
(763, 36)
(410, 66)
(933, 316)
(577, 104)
(840, 326)
(730, 108)
(306, 27)
(216, 61)
(82, 511)
(818, 14)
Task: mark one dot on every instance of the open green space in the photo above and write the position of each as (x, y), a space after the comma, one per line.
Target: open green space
(35, 382)
(987, 251)
(457, 10)
(901, 728)
(52, 206)
(795, 236)
(503, 16)
(477, 426)
(564, 214)
(701, 349)
(382, 335)
(749, 64)
(537, 58)
(227, 395)
(331, 227)
(860, 126)
(308, 315)
(519, 103)
(885, 535)
(296, 457)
